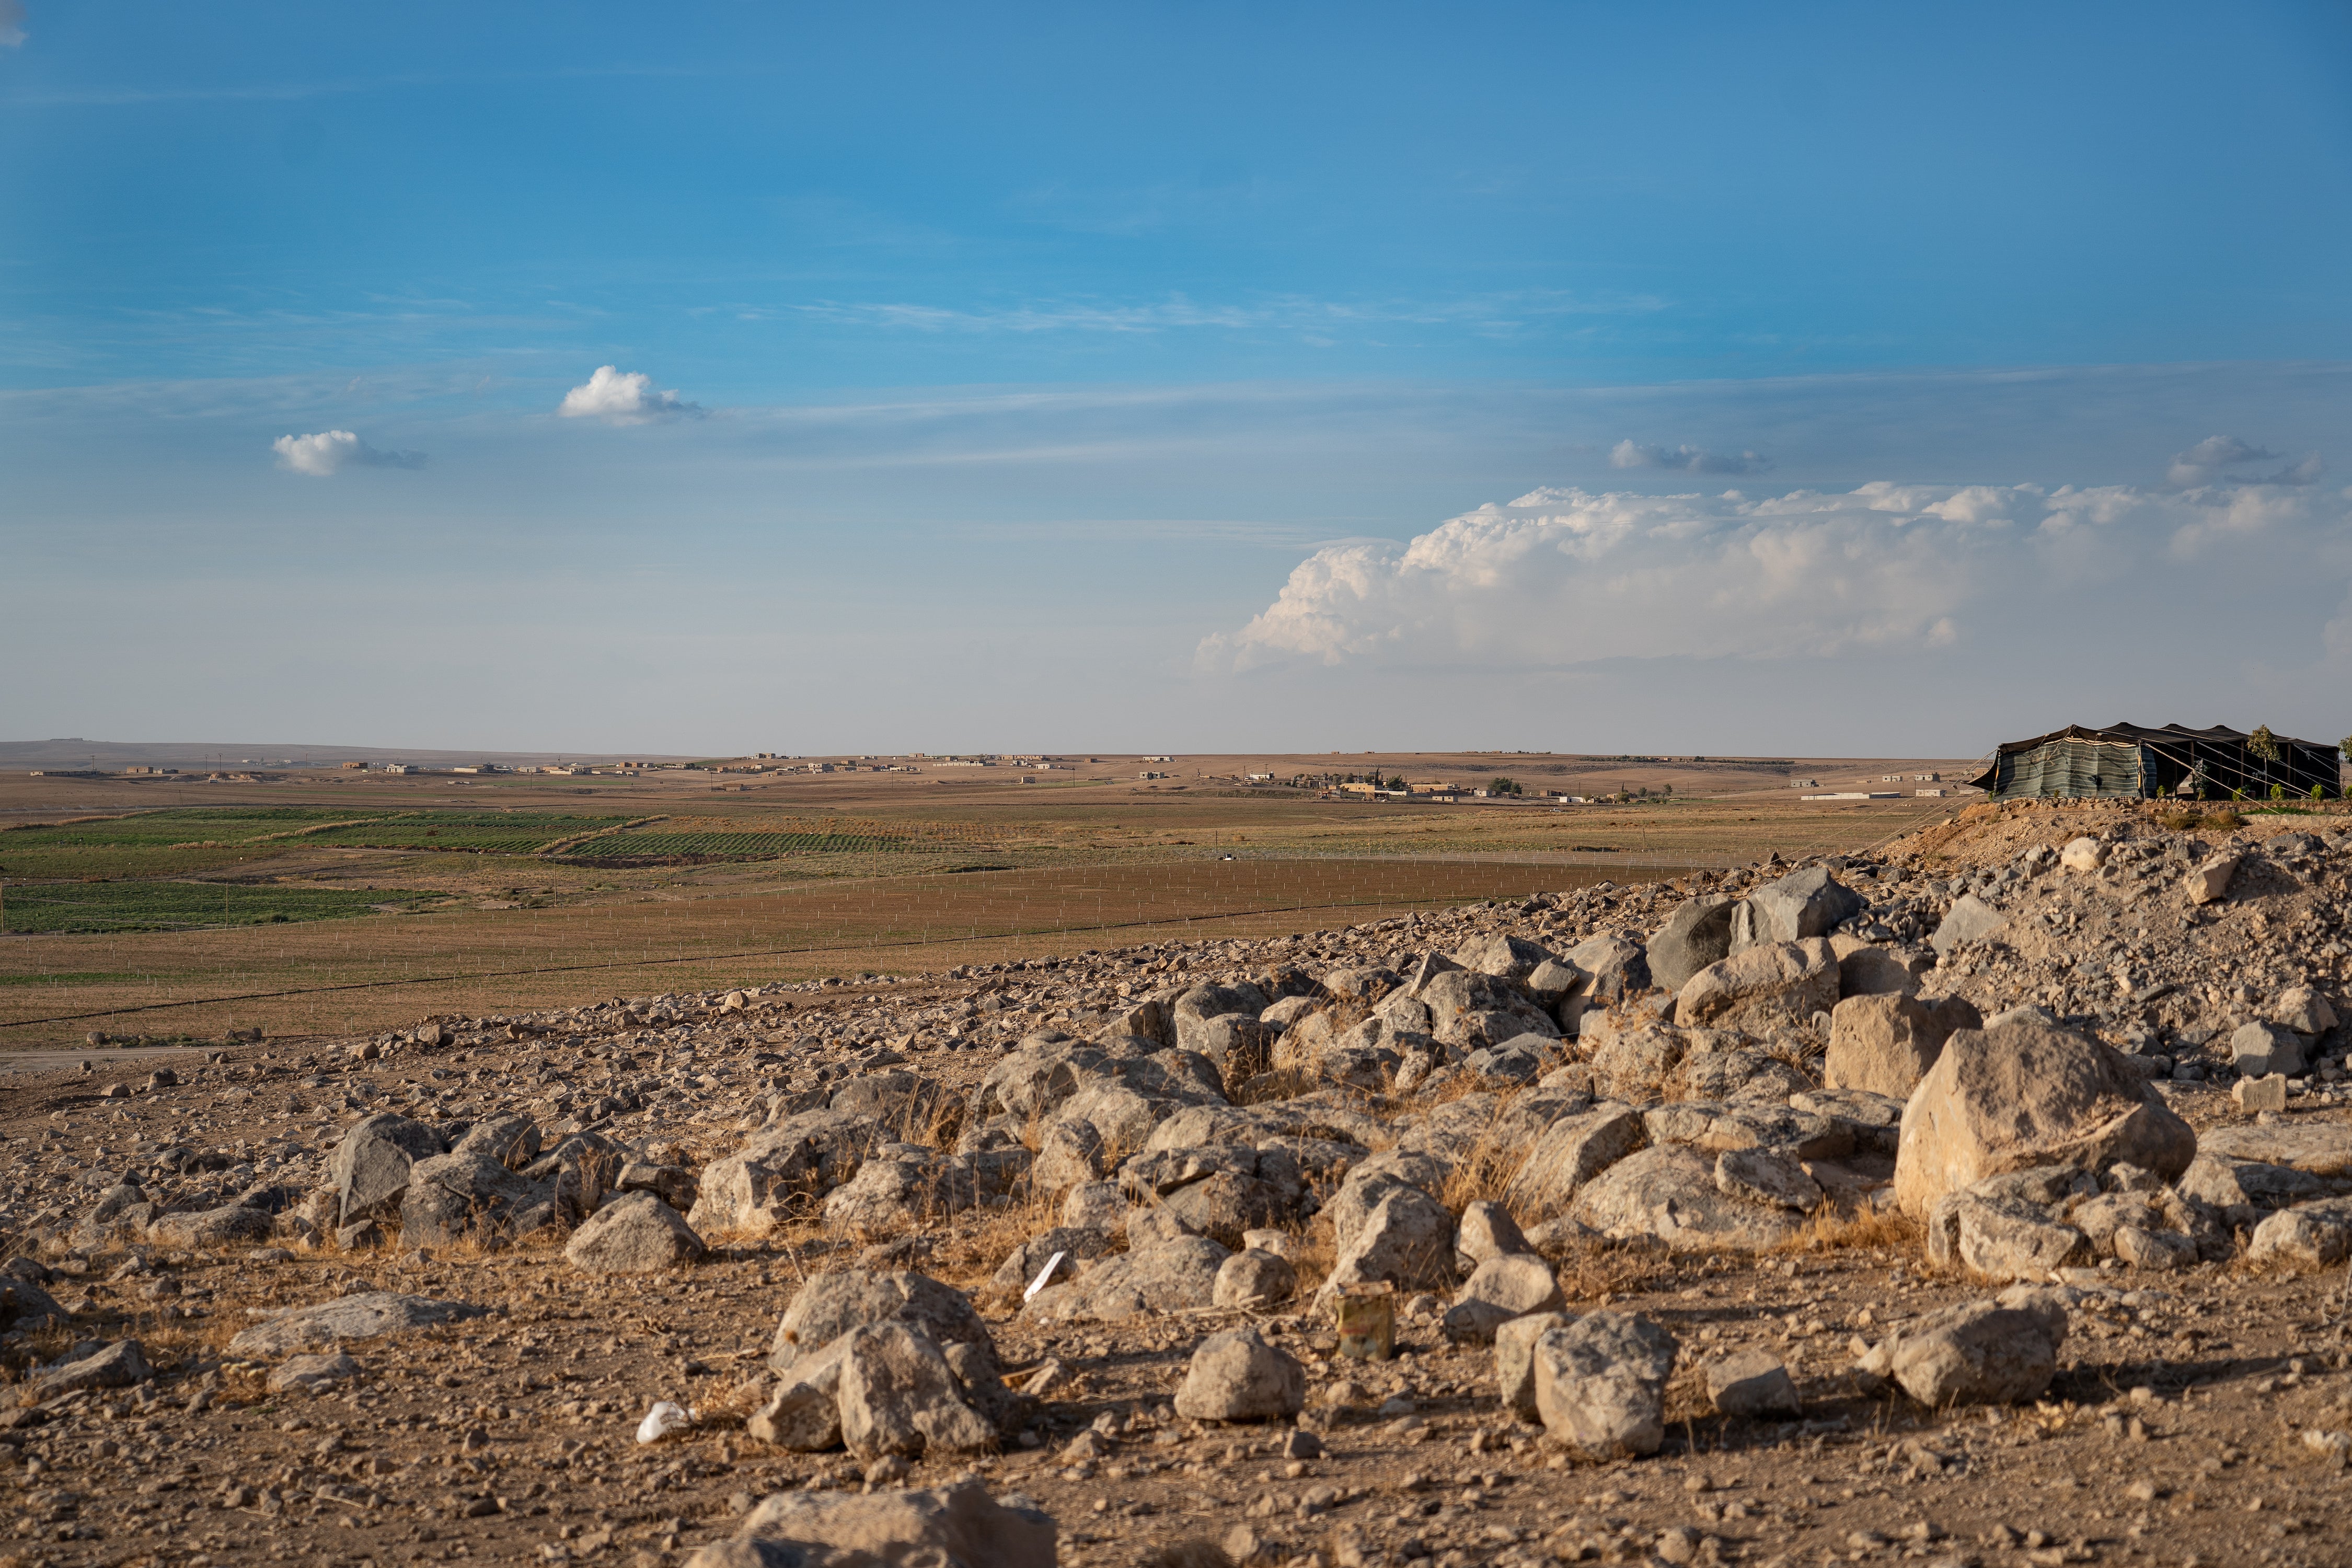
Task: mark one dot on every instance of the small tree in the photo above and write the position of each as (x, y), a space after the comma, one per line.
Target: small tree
(2263, 743)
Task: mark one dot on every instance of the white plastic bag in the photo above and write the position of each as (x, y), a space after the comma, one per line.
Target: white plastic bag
(662, 1420)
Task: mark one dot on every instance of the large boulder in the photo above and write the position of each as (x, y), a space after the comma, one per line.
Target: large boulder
(780, 1171)
(1194, 1009)
(1158, 1278)
(1807, 903)
(1979, 1352)
(455, 1196)
(1503, 957)
(956, 1527)
(229, 1224)
(1697, 934)
(2314, 1236)
(1615, 966)
(1885, 1042)
(2004, 1228)
(1470, 1010)
(1238, 1376)
(899, 1191)
(1669, 1194)
(1572, 1152)
(1219, 1191)
(1601, 1384)
(830, 1305)
(1762, 987)
(1406, 1237)
(2259, 1049)
(369, 1169)
(636, 1233)
(899, 1395)
(2024, 1094)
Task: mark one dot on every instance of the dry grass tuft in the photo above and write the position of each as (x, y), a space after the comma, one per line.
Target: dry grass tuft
(1198, 1553)
(1826, 1230)
(1591, 1272)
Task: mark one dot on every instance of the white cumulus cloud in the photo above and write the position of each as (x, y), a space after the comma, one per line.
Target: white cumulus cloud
(321, 453)
(1560, 578)
(12, 24)
(1687, 458)
(2209, 461)
(624, 397)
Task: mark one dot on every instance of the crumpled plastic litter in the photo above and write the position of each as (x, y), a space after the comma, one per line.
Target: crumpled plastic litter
(662, 1420)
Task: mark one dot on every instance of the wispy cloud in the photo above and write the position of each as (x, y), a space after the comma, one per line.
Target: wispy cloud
(286, 91)
(1689, 460)
(12, 24)
(325, 452)
(624, 397)
(2211, 459)
(1180, 313)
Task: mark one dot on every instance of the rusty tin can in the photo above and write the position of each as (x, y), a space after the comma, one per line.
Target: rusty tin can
(1367, 1315)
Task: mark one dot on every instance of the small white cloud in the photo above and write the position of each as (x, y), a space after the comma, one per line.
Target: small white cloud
(2208, 461)
(1689, 460)
(12, 24)
(321, 453)
(624, 397)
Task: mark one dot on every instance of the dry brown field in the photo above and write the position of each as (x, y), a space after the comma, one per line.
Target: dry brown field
(906, 874)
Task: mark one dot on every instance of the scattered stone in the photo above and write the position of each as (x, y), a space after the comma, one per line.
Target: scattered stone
(359, 1317)
(118, 1365)
(899, 1395)
(1885, 1043)
(313, 1374)
(1979, 1352)
(955, 1527)
(1254, 1279)
(1238, 1376)
(2209, 883)
(1502, 1288)
(1601, 1384)
(2256, 1094)
(1751, 1384)
(636, 1233)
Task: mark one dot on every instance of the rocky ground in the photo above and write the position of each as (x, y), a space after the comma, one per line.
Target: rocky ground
(1980, 1200)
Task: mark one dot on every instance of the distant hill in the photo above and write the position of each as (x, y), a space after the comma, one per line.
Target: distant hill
(112, 755)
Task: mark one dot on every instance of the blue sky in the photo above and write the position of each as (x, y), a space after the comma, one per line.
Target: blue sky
(1137, 377)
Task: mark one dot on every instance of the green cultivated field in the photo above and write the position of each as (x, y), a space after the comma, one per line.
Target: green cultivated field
(157, 843)
(646, 846)
(479, 833)
(51, 908)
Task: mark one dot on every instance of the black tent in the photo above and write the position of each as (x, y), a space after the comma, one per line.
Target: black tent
(2133, 762)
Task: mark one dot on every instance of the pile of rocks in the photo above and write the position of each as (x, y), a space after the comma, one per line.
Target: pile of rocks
(2008, 1062)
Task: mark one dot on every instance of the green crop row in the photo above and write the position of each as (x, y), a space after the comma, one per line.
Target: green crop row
(72, 907)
